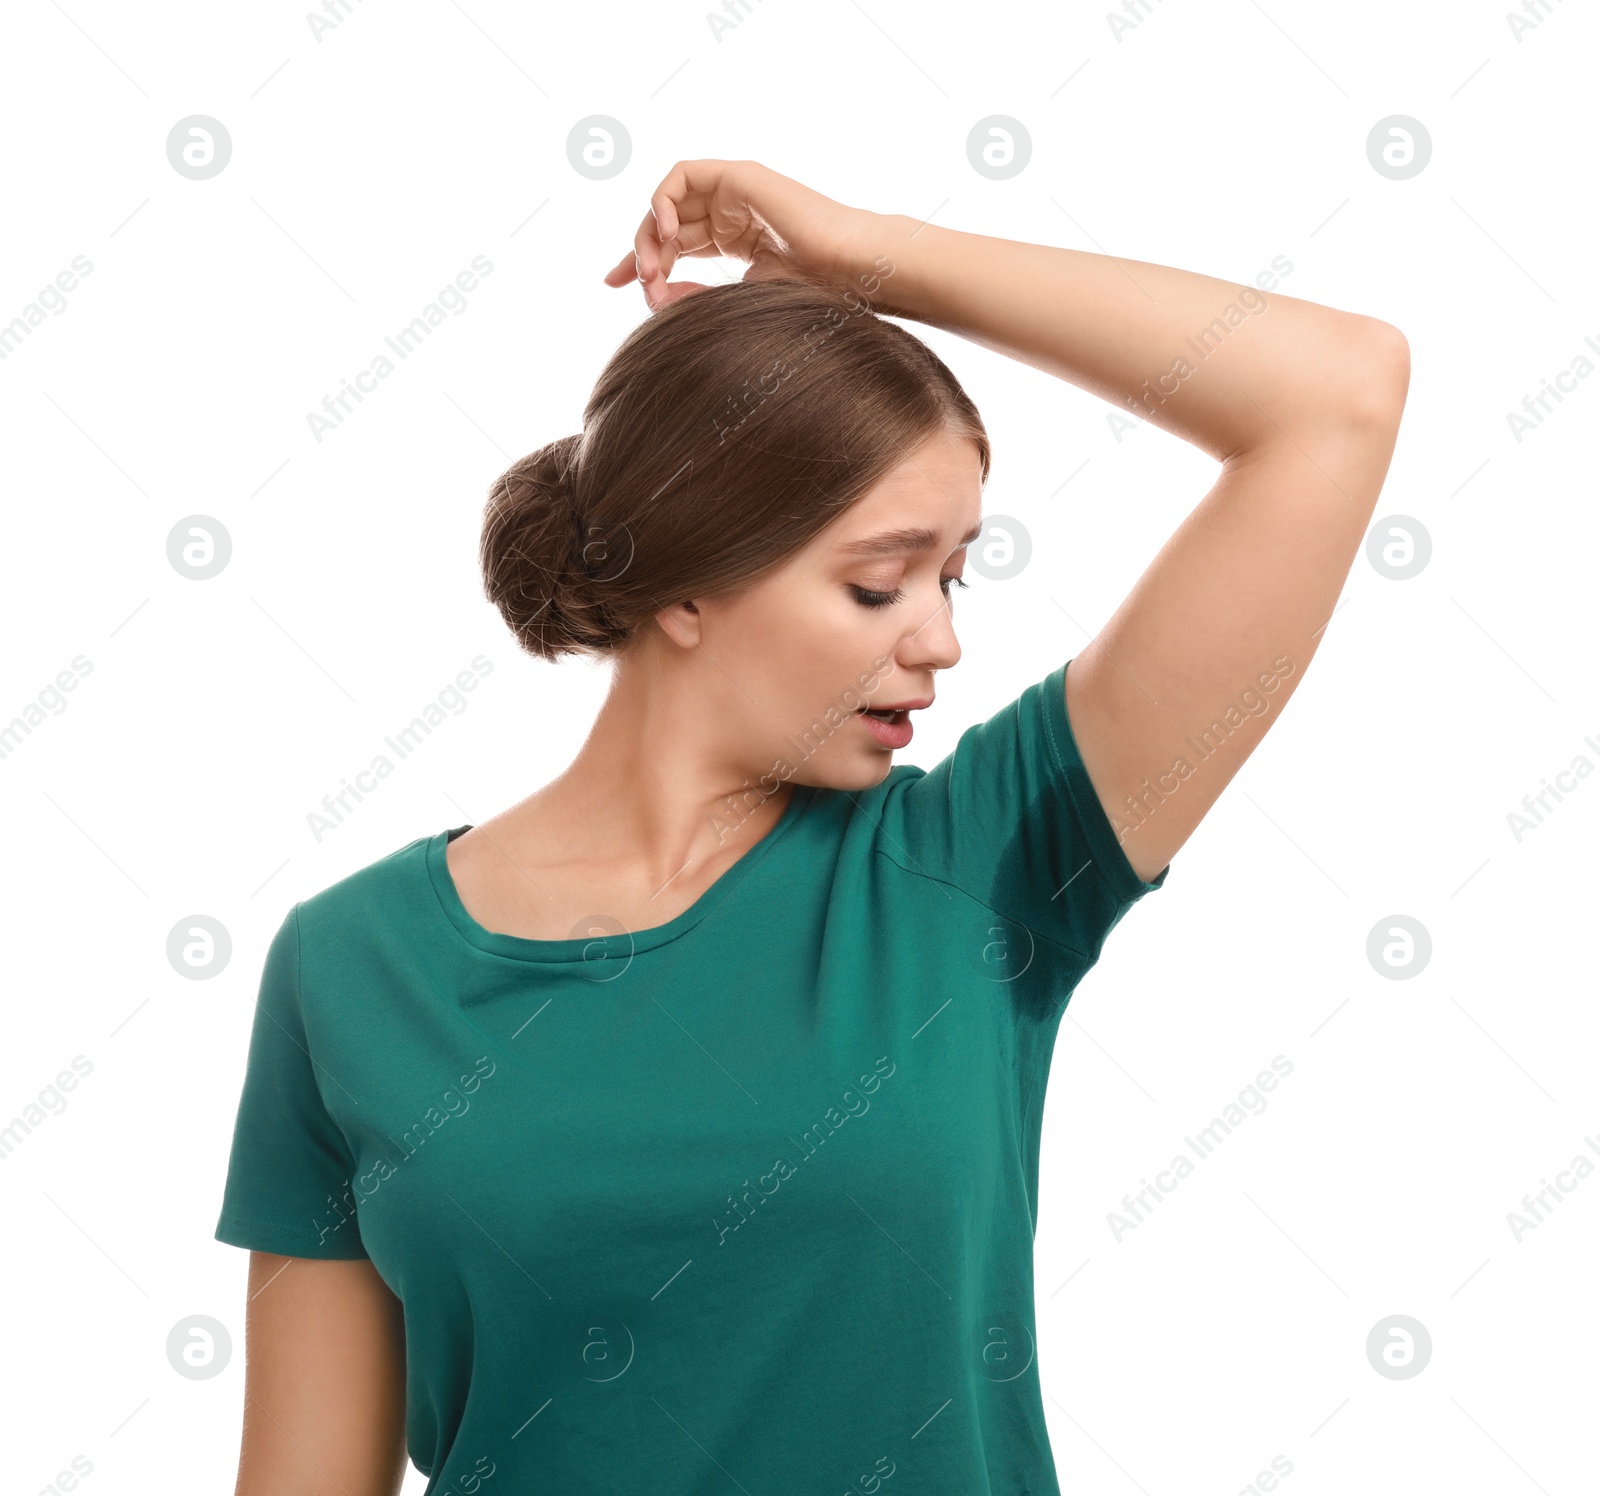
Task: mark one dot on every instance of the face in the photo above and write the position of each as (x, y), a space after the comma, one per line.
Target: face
(860, 617)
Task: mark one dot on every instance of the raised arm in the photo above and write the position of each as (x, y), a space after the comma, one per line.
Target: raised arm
(1301, 405)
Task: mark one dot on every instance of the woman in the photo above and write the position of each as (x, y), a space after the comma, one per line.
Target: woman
(677, 1128)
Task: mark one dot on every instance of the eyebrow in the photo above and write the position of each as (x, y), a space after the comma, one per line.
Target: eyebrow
(891, 542)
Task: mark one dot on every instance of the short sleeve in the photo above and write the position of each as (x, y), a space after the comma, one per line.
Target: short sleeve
(1011, 817)
(288, 1184)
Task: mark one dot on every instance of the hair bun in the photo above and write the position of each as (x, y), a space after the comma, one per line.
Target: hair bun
(712, 453)
(531, 553)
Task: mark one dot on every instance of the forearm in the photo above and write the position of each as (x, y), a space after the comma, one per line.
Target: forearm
(1226, 367)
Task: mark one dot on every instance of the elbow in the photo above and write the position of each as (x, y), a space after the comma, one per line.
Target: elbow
(1379, 369)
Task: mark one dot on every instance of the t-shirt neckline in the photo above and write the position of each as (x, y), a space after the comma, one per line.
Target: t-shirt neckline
(590, 948)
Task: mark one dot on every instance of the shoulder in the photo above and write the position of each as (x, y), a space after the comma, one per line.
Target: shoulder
(372, 898)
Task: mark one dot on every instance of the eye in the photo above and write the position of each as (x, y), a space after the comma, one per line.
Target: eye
(944, 584)
(870, 599)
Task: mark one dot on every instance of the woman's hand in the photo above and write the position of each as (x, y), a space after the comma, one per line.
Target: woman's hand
(745, 211)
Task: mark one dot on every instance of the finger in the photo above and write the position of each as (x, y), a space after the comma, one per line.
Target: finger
(679, 221)
(664, 200)
(694, 237)
(625, 270)
(685, 195)
(657, 285)
(666, 257)
(658, 293)
(646, 246)
(688, 189)
(679, 289)
(654, 259)
(671, 291)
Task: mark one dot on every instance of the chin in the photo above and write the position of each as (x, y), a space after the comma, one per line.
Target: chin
(861, 773)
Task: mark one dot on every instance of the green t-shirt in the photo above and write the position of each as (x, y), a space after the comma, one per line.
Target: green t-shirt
(744, 1202)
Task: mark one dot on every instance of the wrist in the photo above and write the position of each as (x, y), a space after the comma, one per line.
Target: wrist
(876, 260)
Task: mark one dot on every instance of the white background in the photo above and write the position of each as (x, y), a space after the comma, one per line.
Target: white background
(371, 166)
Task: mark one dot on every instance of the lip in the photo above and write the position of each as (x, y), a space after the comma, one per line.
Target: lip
(897, 731)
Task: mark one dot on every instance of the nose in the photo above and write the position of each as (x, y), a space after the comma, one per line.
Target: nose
(932, 644)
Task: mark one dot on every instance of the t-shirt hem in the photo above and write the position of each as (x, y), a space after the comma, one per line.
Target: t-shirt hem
(1112, 862)
(285, 1241)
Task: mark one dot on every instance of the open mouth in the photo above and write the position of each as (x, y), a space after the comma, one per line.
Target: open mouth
(890, 725)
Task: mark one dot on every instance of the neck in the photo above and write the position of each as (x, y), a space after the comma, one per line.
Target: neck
(655, 782)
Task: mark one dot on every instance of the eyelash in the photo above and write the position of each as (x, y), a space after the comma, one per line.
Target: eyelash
(870, 599)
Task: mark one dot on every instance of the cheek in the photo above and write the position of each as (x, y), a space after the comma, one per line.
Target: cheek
(796, 615)
(842, 635)
(805, 638)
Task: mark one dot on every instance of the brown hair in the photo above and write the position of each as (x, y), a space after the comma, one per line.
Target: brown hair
(727, 430)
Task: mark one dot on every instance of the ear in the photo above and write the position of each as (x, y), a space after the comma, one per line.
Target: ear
(681, 624)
